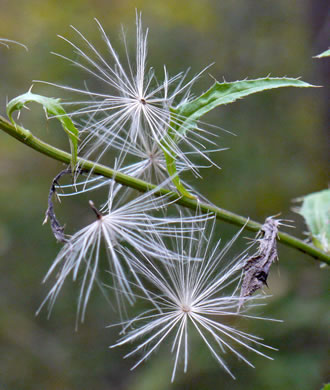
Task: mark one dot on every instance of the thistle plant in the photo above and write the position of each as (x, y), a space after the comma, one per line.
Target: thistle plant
(160, 246)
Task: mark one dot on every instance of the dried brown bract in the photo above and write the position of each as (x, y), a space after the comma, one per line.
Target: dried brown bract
(257, 267)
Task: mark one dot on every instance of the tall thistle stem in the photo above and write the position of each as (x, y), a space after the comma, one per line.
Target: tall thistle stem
(25, 136)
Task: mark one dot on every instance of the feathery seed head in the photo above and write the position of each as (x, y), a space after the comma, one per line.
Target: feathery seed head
(131, 236)
(189, 295)
(135, 107)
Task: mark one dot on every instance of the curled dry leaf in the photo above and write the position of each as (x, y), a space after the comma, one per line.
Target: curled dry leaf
(57, 229)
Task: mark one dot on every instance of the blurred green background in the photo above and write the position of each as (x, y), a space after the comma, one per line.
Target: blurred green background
(280, 153)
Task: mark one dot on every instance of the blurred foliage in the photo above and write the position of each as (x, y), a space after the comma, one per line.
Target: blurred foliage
(315, 208)
(279, 154)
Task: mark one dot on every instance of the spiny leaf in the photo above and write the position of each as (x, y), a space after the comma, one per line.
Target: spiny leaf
(224, 93)
(186, 115)
(52, 107)
(316, 211)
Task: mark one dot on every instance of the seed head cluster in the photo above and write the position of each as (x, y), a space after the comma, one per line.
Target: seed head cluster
(140, 247)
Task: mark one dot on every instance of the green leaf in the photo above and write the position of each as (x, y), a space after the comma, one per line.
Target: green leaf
(316, 211)
(170, 157)
(52, 107)
(322, 55)
(224, 93)
(186, 115)
(326, 387)
(172, 171)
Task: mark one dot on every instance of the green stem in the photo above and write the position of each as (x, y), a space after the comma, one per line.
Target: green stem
(26, 137)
